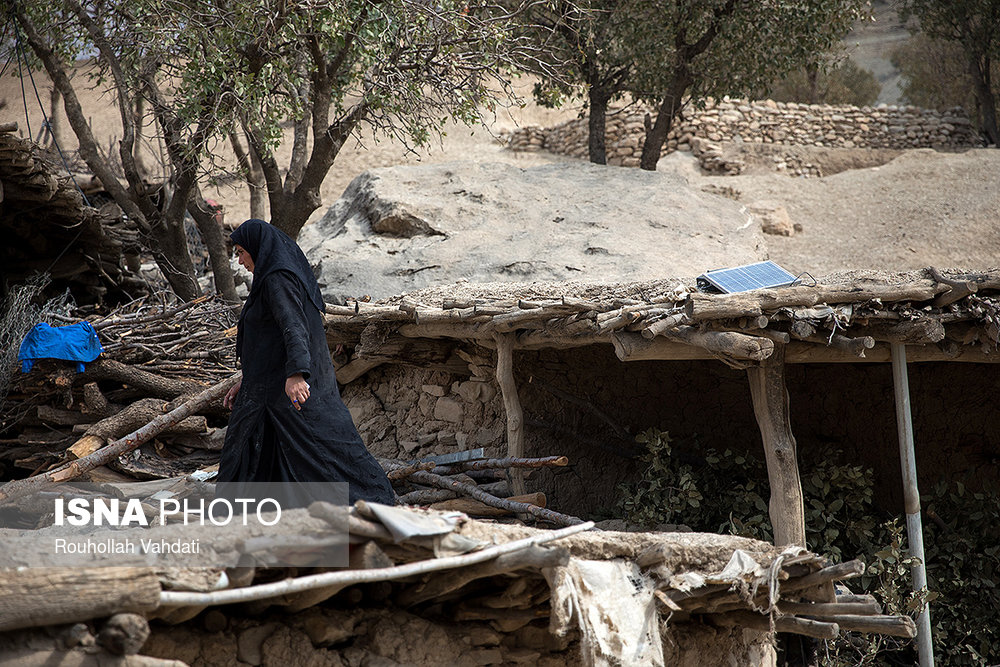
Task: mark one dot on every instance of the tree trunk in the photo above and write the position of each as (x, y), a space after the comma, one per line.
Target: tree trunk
(172, 256)
(296, 207)
(258, 189)
(812, 82)
(596, 146)
(657, 134)
(211, 234)
(55, 130)
(254, 175)
(980, 72)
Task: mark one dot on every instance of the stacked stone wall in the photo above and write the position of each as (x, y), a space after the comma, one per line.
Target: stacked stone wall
(764, 122)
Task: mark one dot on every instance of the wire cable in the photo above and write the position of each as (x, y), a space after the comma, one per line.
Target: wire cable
(19, 49)
(20, 56)
(45, 117)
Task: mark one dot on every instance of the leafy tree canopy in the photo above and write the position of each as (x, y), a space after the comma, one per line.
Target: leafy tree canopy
(843, 82)
(200, 72)
(973, 25)
(673, 52)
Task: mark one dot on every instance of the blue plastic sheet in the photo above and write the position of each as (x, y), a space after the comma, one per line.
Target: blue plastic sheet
(76, 342)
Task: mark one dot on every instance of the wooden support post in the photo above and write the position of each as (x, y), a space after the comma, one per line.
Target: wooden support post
(770, 404)
(911, 498)
(512, 405)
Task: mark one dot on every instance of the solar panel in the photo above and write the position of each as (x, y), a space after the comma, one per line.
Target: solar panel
(746, 278)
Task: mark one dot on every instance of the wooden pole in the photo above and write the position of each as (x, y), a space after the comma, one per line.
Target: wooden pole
(911, 497)
(350, 577)
(770, 405)
(512, 405)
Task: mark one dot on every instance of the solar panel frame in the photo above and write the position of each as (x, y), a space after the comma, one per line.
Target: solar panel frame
(760, 275)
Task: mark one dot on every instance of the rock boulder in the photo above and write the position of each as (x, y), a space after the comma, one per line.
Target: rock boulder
(399, 229)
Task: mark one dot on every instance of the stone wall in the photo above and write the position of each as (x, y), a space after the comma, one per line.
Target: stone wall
(765, 122)
(588, 405)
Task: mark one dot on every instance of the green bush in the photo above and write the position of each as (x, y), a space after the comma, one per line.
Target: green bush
(962, 547)
(727, 493)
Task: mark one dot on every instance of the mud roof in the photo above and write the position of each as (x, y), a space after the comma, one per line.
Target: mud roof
(948, 315)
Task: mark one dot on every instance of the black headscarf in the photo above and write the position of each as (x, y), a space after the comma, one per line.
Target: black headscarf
(273, 250)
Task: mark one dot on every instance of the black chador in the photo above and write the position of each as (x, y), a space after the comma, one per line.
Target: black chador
(281, 334)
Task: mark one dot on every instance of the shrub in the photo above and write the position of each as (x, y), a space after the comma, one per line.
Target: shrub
(726, 492)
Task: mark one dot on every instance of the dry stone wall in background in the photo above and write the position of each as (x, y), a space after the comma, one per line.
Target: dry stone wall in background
(704, 132)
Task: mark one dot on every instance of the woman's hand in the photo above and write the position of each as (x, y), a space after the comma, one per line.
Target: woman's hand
(297, 390)
(230, 398)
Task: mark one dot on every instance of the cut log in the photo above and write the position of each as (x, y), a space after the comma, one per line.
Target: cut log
(50, 596)
(802, 330)
(838, 572)
(406, 471)
(789, 624)
(50, 415)
(661, 326)
(895, 626)
(131, 418)
(777, 336)
(825, 609)
(770, 403)
(726, 343)
(689, 343)
(856, 346)
(150, 383)
(923, 331)
(701, 306)
(477, 508)
(96, 401)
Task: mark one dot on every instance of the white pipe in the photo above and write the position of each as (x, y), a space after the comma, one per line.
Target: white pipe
(911, 498)
(349, 577)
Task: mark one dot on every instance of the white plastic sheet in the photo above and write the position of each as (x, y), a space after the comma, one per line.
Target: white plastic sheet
(612, 604)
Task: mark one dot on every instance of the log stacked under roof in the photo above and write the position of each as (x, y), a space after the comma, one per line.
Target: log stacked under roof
(953, 317)
(49, 227)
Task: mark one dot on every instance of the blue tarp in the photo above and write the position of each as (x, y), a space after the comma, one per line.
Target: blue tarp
(76, 342)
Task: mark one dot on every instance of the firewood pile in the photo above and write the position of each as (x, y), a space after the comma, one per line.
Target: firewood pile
(478, 487)
(153, 353)
(951, 316)
(156, 358)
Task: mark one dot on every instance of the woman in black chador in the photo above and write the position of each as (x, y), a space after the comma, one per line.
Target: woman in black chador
(289, 423)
